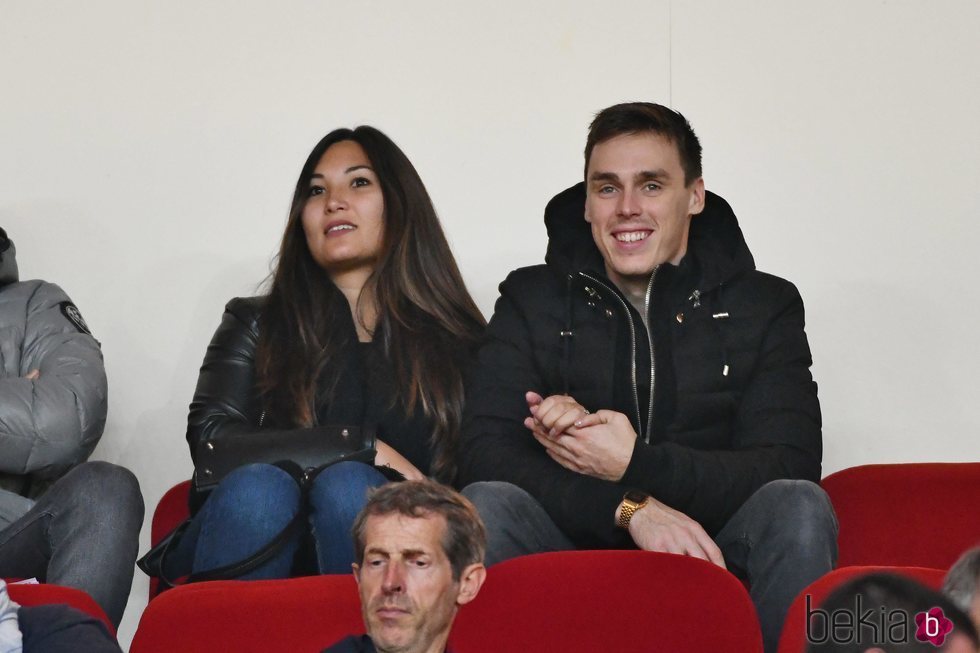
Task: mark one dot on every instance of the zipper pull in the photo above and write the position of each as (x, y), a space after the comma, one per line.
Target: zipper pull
(695, 298)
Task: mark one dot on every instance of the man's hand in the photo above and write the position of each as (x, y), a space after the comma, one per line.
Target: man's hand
(596, 444)
(656, 527)
(33, 375)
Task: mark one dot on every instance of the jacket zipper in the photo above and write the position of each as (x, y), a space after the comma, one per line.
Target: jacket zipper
(629, 317)
(653, 361)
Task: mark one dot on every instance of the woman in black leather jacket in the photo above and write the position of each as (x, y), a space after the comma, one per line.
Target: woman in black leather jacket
(367, 321)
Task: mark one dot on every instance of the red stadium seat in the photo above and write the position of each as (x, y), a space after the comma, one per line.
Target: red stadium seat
(45, 594)
(171, 510)
(298, 615)
(913, 514)
(623, 601)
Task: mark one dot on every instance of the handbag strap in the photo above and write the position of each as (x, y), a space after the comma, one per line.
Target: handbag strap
(257, 559)
(254, 560)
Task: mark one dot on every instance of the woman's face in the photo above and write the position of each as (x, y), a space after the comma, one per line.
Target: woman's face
(343, 217)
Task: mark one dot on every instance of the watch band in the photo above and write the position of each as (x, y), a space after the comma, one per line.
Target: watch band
(631, 503)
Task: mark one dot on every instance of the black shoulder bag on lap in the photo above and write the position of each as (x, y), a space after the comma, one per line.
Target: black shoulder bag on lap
(303, 453)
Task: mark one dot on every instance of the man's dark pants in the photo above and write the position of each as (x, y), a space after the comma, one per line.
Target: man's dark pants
(83, 532)
(783, 538)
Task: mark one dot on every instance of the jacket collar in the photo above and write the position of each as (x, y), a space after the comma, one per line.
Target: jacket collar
(715, 242)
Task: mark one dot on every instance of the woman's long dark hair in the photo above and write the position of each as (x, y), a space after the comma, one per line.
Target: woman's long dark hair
(427, 321)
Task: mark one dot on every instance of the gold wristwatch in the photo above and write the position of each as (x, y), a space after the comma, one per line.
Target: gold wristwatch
(632, 501)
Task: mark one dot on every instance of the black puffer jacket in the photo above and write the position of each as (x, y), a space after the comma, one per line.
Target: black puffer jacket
(734, 405)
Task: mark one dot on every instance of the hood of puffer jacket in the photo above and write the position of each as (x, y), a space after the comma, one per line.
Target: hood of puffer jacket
(8, 260)
(715, 238)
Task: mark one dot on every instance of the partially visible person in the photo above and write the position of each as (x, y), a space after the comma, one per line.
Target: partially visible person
(62, 520)
(886, 613)
(419, 548)
(54, 628)
(367, 321)
(963, 582)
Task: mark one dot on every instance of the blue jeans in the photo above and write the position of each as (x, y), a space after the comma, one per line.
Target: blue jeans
(83, 532)
(783, 538)
(255, 502)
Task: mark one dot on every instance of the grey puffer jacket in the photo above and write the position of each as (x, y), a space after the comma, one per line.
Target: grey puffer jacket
(53, 422)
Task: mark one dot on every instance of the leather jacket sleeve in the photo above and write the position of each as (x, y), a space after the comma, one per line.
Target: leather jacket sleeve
(223, 403)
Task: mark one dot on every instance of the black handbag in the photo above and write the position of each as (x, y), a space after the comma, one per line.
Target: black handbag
(311, 449)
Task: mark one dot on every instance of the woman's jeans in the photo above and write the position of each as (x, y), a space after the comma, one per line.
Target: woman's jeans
(256, 502)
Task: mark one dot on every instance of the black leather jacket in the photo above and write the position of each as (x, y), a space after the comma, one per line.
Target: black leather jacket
(734, 405)
(226, 402)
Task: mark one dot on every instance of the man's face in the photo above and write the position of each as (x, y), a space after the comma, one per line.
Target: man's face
(408, 595)
(639, 206)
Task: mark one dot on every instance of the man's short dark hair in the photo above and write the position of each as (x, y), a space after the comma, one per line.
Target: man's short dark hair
(888, 592)
(465, 539)
(640, 117)
(963, 579)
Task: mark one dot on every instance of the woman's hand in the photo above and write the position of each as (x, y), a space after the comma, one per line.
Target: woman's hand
(388, 456)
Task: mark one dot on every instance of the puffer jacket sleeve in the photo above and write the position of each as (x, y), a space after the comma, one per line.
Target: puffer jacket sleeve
(776, 434)
(223, 403)
(53, 422)
(495, 444)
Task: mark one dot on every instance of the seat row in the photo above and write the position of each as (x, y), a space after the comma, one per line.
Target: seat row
(913, 519)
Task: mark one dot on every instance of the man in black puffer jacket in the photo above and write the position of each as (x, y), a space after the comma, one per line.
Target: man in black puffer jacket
(648, 387)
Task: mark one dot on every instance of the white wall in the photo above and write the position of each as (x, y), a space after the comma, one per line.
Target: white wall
(147, 153)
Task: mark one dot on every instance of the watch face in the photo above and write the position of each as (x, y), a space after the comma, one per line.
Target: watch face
(636, 497)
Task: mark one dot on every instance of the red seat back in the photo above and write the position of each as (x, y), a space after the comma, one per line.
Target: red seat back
(623, 601)
(914, 514)
(298, 615)
(793, 639)
(571, 601)
(45, 594)
(171, 510)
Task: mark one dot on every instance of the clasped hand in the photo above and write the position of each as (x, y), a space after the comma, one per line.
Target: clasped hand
(598, 444)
